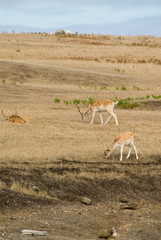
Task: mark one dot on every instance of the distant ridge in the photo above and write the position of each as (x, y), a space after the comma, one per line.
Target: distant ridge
(24, 29)
(143, 26)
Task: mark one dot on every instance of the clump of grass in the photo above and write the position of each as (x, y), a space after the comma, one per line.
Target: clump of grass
(57, 100)
(117, 70)
(128, 103)
(136, 87)
(17, 187)
(156, 97)
(147, 96)
(3, 81)
(90, 100)
(141, 98)
(76, 101)
(103, 88)
(66, 102)
(123, 88)
(84, 101)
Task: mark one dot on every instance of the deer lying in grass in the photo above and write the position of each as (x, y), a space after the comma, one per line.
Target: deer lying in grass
(126, 139)
(99, 106)
(15, 118)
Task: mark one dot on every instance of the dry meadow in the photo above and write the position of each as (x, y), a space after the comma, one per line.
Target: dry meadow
(54, 159)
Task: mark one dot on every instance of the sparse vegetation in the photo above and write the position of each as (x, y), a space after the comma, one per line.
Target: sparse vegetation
(117, 69)
(127, 103)
(76, 101)
(103, 87)
(136, 87)
(66, 102)
(156, 97)
(123, 88)
(90, 100)
(3, 81)
(57, 100)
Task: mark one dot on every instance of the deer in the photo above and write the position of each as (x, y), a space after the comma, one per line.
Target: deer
(125, 139)
(99, 106)
(15, 118)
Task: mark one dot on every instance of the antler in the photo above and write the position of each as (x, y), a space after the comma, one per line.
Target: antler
(4, 115)
(82, 115)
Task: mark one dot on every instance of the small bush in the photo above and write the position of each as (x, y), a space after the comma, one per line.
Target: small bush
(123, 88)
(66, 102)
(90, 100)
(147, 96)
(76, 101)
(57, 100)
(156, 97)
(3, 81)
(84, 101)
(103, 88)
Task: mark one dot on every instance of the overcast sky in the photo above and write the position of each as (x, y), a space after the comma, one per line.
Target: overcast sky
(128, 17)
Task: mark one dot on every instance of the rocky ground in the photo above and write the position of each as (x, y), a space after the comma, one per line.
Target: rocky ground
(129, 202)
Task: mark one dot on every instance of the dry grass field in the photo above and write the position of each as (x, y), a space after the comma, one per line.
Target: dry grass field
(54, 159)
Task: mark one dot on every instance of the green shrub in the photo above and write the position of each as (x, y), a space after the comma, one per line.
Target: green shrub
(156, 97)
(76, 101)
(103, 88)
(147, 96)
(123, 88)
(66, 102)
(90, 100)
(3, 81)
(84, 101)
(57, 100)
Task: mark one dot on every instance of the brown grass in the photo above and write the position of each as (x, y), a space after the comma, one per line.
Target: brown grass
(39, 68)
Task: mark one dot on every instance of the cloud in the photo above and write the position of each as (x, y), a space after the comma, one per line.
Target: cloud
(62, 13)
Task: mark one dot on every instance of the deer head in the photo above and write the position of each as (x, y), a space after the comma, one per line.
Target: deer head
(107, 152)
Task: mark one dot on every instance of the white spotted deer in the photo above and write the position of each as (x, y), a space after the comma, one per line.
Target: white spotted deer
(100, 106)
(125, 139)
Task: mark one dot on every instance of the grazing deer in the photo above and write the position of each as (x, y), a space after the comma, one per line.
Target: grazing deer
(15, 118)
(125, 139)
(100, 106)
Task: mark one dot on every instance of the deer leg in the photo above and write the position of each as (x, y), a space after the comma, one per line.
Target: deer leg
(101, 118)
(121, 151)
(86, 114)
(92, 117)
(114, 115)
(129, 151)
(135, 150)
(107, 119)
